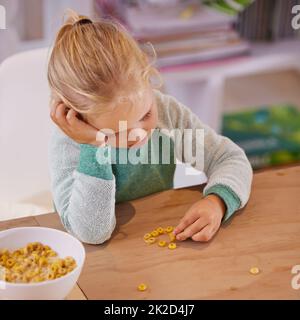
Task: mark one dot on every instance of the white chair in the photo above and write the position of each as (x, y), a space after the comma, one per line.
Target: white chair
(24, 135)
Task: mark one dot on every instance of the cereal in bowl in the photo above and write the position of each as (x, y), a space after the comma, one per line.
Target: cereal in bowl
(33, 263)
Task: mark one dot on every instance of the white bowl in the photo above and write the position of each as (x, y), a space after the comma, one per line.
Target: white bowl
(61, 242)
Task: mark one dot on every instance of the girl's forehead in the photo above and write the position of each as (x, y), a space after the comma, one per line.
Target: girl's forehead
(131, 112)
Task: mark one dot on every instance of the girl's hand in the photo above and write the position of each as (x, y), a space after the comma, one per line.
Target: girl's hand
(69, 122)
(202, 220)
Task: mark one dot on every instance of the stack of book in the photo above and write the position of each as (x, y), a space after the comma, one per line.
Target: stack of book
(185, 34)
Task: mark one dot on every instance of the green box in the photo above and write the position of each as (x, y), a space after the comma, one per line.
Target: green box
(270, 135)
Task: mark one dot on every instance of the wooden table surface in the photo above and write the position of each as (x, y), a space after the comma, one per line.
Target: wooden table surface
(265, 234)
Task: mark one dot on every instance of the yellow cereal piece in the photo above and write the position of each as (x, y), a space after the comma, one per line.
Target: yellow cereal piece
(169, 229)
(9, 263)
(54, 267)
(147, 236)
(3, 259)
(38, 279)
(142, 287)
(154, 233)
(18, 268)
(51, 276)
(71, 268)
(254, 270)
(172, 236)
(162, 243)
(62, 271)
(42, 261)
(151, 240)
(69, 262)
(172, 245)
(51, 253)
(29, 247)
(160, 230)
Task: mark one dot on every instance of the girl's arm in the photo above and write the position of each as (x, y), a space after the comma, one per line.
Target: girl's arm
(83, 190)
(225, 164)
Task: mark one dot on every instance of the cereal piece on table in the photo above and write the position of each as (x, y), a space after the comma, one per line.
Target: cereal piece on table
(154, 233)
(169, 229)
(147, 236)
(172, 236)
(254, 270)
(160, 230)
(151, 240)
(142, 287)
(172, 245)
(162, 243)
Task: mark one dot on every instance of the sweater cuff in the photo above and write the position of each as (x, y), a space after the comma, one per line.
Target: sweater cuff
(90, 165)
(230, 198)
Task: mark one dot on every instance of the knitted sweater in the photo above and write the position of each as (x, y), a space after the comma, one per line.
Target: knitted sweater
(86, 189)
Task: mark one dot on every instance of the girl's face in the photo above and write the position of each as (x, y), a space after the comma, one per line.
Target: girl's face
(140, 119)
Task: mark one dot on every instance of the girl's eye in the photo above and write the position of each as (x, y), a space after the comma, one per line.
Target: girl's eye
(146, 116)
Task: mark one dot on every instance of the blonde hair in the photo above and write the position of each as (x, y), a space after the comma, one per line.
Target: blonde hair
(95, 65)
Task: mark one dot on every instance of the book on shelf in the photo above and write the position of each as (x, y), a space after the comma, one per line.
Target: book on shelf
(197, 47)
(143, 23)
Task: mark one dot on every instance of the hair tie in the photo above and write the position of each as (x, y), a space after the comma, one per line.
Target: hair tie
(83, 21)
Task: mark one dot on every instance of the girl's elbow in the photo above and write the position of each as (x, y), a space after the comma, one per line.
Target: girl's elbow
(93, 235)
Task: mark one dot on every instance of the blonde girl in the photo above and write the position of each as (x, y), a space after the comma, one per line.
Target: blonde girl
(100, 78)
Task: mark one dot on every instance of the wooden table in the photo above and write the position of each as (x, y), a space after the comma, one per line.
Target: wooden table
(265, 234)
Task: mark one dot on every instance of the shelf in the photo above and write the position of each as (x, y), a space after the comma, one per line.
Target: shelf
(264, 56)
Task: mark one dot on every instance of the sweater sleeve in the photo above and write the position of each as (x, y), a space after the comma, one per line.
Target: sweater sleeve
(83, 189)
(227, 168)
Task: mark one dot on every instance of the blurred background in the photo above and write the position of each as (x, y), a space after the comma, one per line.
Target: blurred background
(235, 63)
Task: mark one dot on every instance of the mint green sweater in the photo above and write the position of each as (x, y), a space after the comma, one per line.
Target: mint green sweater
(85, 189)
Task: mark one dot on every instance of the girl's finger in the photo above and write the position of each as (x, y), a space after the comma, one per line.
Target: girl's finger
(192, 229)
(72, 117)
(205, 234)
(189, 218)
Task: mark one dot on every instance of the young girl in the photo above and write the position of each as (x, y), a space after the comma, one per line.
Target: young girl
(98, 77)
